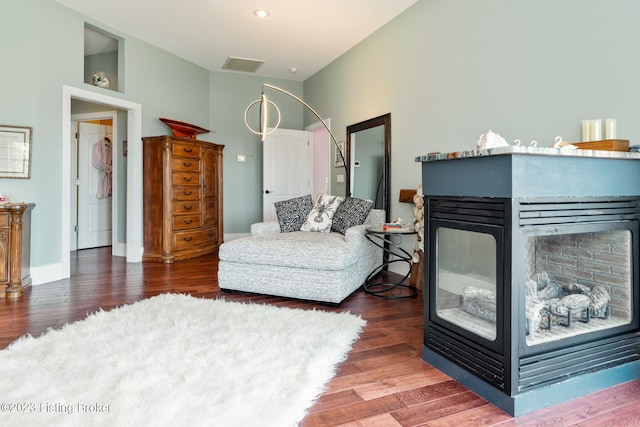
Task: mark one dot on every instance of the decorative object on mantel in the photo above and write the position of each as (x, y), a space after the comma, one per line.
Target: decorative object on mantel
(592, 129)
(491, 140)
(606, 144)
(558, 142)
(182, 129)
(517, 142)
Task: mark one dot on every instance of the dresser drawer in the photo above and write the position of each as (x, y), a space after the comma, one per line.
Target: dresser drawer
(183, 240)
(186, 207)
(184, 149)
(186, 221)
(4, 219)
(185, 165)
(186, 193)
(186, 178)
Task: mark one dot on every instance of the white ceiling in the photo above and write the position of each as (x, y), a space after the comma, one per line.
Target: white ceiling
(303, 34)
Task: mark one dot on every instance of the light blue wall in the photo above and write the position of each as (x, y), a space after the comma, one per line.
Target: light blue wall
(46, 51)
(446, 70)
(230, 96)
(450, 70)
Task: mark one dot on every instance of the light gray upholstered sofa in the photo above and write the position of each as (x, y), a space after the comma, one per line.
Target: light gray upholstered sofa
(325, 267)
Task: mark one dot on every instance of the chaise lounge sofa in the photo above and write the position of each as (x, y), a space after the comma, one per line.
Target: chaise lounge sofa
(317, 266)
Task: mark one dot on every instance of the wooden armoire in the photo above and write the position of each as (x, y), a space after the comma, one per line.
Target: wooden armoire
(182, 184)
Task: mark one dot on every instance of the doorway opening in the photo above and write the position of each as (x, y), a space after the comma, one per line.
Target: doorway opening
(95, 168)
(321, 157)
(133, 241)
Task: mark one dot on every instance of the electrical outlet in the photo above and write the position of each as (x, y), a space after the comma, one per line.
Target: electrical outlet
(241, 158)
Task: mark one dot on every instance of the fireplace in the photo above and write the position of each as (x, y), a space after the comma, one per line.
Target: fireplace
(532, 279)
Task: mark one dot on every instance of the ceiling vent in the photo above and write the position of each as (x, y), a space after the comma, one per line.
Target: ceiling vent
(242, 64)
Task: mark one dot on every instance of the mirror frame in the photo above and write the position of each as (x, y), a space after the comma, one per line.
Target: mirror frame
(384, 120)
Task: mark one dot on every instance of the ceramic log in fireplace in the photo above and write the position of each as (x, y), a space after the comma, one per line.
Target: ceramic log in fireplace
(532, 275)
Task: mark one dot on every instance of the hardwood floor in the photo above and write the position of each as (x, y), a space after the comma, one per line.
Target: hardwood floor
(384, 381)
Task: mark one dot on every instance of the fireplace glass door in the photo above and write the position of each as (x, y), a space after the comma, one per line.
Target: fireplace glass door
(467, 280)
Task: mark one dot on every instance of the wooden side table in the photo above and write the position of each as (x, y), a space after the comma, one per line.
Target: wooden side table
(15, 248)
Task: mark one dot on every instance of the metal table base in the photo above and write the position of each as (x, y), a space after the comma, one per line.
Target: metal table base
(390, 242)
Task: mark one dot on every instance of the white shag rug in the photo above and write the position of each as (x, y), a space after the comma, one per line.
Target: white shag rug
(176, 360)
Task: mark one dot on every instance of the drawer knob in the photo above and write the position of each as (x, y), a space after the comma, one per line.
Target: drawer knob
(188, 193)
(188, 207)
(211, 234)
(188, 221)
(188, 150)
(188, 178)
(187, 164)
(187, 239)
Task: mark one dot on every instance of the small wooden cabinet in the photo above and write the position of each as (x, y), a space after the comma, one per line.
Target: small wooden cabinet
(15, 248)
(182, 184)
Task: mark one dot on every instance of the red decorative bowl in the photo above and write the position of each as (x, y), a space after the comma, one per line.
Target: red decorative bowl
(182, 129)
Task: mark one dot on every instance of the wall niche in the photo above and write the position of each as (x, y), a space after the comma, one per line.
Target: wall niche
(102, 59)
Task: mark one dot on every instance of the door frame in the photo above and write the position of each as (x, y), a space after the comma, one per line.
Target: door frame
(134, 172)
(329, 144)
(116, 249)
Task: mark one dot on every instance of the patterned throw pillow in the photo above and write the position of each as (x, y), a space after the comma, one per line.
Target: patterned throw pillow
(352, 211)
(293, 213)
(321, 216)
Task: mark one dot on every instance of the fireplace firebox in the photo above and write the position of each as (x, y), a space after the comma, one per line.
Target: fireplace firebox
(532, 279)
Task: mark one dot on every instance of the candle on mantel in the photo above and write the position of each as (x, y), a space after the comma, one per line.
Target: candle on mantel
(595, 129)
(586, 136)
(610, 129)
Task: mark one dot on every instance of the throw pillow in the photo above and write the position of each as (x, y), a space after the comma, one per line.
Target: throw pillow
(293, 213)
(321, 216)
(352, 211)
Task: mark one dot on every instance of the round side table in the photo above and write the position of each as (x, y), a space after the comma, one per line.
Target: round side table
(390, 241)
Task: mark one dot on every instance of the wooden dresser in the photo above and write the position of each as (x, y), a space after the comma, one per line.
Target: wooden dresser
(182, 184)
(15, 244)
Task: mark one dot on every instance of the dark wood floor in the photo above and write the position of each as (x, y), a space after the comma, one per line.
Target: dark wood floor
(384, 381)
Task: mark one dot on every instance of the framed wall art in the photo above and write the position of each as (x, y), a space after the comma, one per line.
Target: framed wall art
(15, 151)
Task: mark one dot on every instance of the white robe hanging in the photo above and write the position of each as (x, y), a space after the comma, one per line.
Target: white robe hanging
(101, 158)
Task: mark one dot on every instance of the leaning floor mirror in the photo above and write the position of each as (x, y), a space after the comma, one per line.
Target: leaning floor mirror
(369, 156)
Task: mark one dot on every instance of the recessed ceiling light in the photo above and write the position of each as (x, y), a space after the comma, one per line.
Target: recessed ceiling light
(261, 13)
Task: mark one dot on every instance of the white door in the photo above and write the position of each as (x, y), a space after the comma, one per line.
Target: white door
(287, 168)
(94, 225)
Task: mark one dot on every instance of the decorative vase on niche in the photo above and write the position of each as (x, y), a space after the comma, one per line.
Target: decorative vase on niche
(100, 79)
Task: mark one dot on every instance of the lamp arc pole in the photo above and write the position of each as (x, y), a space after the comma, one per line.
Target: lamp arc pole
(264, 105)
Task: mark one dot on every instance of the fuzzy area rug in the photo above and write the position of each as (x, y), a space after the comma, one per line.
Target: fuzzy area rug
(176, 360)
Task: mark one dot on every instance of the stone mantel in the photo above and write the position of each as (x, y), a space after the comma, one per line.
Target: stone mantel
(517, 171)
(528, 150)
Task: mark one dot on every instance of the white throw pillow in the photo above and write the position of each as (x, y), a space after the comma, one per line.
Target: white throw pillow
(321, 216)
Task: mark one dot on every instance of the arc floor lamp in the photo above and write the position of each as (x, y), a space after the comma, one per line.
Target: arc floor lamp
(264, 129)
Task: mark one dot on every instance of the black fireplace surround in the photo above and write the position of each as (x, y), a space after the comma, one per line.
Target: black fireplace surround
(532, 284)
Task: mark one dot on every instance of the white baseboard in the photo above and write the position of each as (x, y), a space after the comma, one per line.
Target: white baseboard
(119, 249)
(46, 274)
(53, 272)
